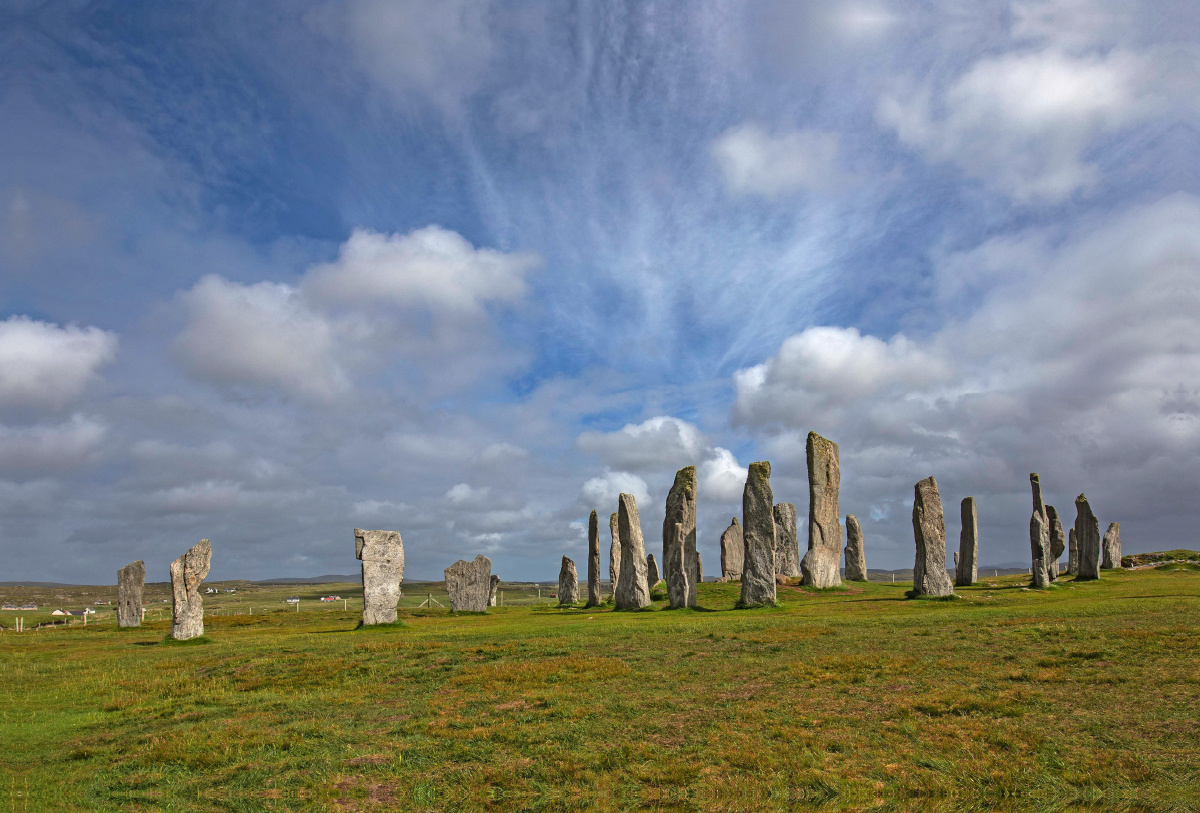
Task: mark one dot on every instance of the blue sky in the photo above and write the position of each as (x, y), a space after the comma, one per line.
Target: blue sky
(469, 270)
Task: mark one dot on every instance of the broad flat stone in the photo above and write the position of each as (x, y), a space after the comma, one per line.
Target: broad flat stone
(966, 561)
(787, 542)
(494, 589)
(130, 581)
(1087, 540)
(1039, 536)
(594, 596)
(856, 556)
(382, 555)
(676, 573)
(1072, 553)
(568, 582)
(1058, 541)
(731, 551)
(929, 531)
(187, 609)
(652, 576)
(758, 536)
(1111, 547)
(469, 584)
(633, 592)
(614, 555)
(821, 565)
(681, 508)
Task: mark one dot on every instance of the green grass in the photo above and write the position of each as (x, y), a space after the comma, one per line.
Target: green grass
(1084, 697)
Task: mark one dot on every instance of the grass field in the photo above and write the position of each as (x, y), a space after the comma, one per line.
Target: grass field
(1083, 696)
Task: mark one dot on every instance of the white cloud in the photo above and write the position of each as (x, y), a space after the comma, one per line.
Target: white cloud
(720, 477)
(658, 443)
(754, 161)
(44, 365)
(602, 492)
(463, 493)
(44, 448)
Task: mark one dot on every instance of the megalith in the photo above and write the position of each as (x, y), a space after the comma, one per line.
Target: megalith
(1039, 535)
(1111, 547)
(1072, 553)
(130, 581)
(821, 565)
(652, 575)
(966, 564)
(594, 597)
(469, 584)
(681, 508)
(676, 573)
(187, 608)
(731, 551)
(1087, 540)
(614, 555)
(758, 537)
(382, 555)
(787, 543)
(495, 588)
(633, 592)
(929, 530)
(1058, 542)
(568, 582)
(856, 556)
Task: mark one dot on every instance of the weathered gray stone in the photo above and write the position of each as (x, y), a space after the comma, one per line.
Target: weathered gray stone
(614, 555)
(1039, 536)
(1072, 553)
(731, 551)
(787, 542)
(929, 530)
(633, 592)
(758, 537)
(1058, 541)
(495, 588)
(594, 596)
(1111, 547)
(856, 556)
(676, 573)
(568, 582)
(469, 584)
(130, 581)
(187, 609)
(1087, 540)
(681, 508)
(820, 565)
(382, 555)
(652, 575)
(966, 561)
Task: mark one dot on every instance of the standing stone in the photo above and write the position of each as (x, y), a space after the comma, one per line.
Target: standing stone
(187, 610)
(130, 580)
(676, 573)
(681, 508)
(614, 555)
(633, 592)
(966, 561)
(787, 542)
(1111, 546)
(929, 530)
(1072, 553)
(758, 537)
(731, 551)
(495, 588)
(594, 597)
(382, 555)
(1039, 535)
(1058, 541)
(652, 577)
(1087, 541)
(568, 583)
(820, 564)
(469, 584)
(856, 556)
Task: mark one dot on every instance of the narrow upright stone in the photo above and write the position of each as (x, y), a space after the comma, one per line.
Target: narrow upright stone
(856, 556)
(787, 543)
(1058, 542)
(130, 581)
(633, 592)
(568, 582)
(495, 588)
(614, 555)
(1039, 535)
(382, 555)
(758, 537)
(187, 609)
(966, 571)
(594, 596)
(469, 584)
(676, 573)
(820, 564)
(1087, 540)
(929, 530)
(731, 551)
(1072, 553)
(681, 508)
(1111, 546)
(652, 575)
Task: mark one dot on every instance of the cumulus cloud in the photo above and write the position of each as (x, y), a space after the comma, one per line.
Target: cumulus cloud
(756, 162)
(659, 443)
(50, 448)
(720, 477)
(603, 492)
(463, 492)
(44, 365)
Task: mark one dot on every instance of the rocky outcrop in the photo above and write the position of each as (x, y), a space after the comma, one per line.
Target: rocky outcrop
(130, 581)
(787, 542)
(652, 575)
(633, 592)
(856, 556)
(732, 551)
(1058, 542)
(594, 596)
(614, 555)
(469, 584)
(758, 536)
(681, 509)
(187, 609)
(1111, 547)
(495, 588)
(568, 582)
(1039, 536)
(676, 573)
(1087, 540)
(929, 530)
(821, 565)
(382, 555)
(966, 563)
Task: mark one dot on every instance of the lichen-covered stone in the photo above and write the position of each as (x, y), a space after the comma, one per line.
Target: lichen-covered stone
(1039, 535)
(1072, 553)
(382, 555)
(633, 592)
(568, 582)
(1087, 540)
(1111, 547)
(614, 555)
(469, 584)
(676, 573)
(187, 609)
(929, 531)
(130, 581)
(966, 561)
(652, 575)
(594, 596)
(495, 588)
(1058, 541)
(821, 564)
(758, 537)
(787, 542)
(856, 556)
(681, 508)
(732, 551)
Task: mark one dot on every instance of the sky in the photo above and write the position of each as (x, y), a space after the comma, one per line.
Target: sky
(275, 270)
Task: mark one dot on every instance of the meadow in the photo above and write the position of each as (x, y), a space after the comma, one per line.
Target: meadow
(1079, 697)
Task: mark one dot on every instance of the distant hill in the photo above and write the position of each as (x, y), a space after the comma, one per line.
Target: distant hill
(313, 580)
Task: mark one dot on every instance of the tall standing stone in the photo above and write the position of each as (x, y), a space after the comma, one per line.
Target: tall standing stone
(652, 575)
(568, 582)
(681, 508)
(1072, 553)
(382, 555)
(187, 609)
(731, 551)
(929, 530)
(1087, 540)
(614, 555)
(633, 592)
(758, 537)
(787, 542)
(130, 581)
(594, 596)
(856, 556)
(676, 573)
(966, 564)
(820, 565)
(1039, 535)
(469, 584)
(1058, 541)
(1111, 546)
(495, 588)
